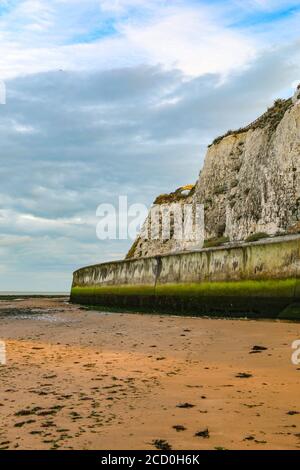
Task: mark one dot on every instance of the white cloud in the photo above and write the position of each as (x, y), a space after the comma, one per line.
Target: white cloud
(266, 5)
(22, 128)
(191, 41)
(197, 38)
(38, 38)
(30, 223)
(120, 6)
(13, 240)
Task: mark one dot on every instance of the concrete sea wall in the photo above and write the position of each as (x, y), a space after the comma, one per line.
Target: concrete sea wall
(260, 279)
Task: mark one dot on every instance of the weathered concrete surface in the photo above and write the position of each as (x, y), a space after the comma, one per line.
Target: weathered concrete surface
(255, 279)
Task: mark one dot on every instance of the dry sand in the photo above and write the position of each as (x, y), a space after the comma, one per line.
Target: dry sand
(77, 379)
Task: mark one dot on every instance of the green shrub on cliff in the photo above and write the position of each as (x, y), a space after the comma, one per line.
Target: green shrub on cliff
(271, 118)
(257, 236)
(213, 242)
(131, 252)
(177, 195)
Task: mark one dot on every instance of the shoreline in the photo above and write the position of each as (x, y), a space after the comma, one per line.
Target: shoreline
(134, 311)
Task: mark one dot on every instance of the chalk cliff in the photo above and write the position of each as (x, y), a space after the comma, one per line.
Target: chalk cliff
(249, 184)
(155, 244)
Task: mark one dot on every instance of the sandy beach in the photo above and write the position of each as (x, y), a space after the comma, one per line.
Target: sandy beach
(80, 379)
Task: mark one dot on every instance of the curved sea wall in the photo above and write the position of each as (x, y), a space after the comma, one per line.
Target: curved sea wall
(259, 279)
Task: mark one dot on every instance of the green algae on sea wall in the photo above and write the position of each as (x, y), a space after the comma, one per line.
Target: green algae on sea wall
(115, 296)
(255, 279)
(251, 298)
(249, 288)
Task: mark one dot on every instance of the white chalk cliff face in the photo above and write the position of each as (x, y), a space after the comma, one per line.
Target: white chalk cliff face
(155, 243)
(250, 181)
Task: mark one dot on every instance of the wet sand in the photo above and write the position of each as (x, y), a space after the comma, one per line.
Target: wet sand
(78, 379)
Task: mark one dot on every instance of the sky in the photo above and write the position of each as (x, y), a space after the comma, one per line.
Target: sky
(120, 97)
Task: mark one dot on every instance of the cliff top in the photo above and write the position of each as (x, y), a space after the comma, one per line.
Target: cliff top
(271, 118)
(179, 194)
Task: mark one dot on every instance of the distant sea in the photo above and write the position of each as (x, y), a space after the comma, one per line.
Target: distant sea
(31, 293)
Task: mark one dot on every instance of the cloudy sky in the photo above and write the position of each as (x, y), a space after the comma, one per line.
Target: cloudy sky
(120, 97)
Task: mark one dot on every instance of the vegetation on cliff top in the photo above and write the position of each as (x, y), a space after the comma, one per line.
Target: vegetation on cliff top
(179, 194)
(271, 118)
(131, 252)
(257, 236)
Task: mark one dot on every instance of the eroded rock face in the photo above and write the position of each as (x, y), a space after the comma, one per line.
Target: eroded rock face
(250, 181)
(151, 245)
